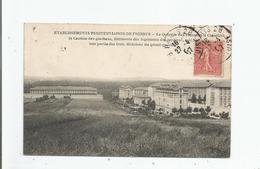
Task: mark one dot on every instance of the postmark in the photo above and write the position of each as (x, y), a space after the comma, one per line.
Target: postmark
(206, 47)
(208, 58)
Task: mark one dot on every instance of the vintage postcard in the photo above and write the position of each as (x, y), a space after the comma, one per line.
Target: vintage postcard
(127, 90)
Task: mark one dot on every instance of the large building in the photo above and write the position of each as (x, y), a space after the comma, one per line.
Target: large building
(151, 90)
(178, 94)
(169, 95)
(125, 92)
(81, 92)
(140, 95)
(115, 94)
(218, 94)
(197, 88)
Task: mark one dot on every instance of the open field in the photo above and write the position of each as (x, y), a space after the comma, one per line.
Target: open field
(99, 128)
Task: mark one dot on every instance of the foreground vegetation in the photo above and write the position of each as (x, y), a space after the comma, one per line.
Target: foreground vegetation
(99, 128)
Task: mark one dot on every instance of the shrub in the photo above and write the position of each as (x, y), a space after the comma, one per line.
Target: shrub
(174, 110)
(45, 97)
(199, 100)
(203, 112)
(52, 97)
(224, 115)
(181, 110)
(189, 109)
(208, 109)
(193, 98)
(152, 106)
(67, 97)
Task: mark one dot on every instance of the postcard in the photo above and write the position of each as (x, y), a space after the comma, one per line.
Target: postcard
(127, 90)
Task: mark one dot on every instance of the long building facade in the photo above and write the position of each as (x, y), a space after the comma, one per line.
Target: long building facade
(125, 92)
(169, 96)
(196, 88)
(219, 95)
(61, 91)
(140, 95)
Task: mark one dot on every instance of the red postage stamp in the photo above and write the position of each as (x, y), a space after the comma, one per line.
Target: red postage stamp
(208, 58)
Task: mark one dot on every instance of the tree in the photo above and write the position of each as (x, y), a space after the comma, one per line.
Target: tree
(149, 102)
(27, 87)
(189, 109)
(204, 99)
(199, 100)
(196, 109)
(208, 109)
(224, 115)
(52, 97)
(193, 98)
(174, 110)
(45, 97)
(143, 102)
(203, 112)
(181, 110)
(201, 109)
(152, 105)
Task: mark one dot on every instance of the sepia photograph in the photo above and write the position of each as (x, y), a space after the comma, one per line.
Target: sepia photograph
(127, 90)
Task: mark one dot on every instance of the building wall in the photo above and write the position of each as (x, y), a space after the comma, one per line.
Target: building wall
(218, 97)
(140, 92)
(87, 92)
(225, 97)
(138, 100)
(211, 96)
(91, 97)
(167, 101)
(115, 94)
(198, 91)
(151, 91)
(125, 93)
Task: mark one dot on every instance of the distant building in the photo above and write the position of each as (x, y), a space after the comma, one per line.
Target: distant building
(151, 90)
(81, 92)
(218, 94)
(169, 95)
(140, 95)
(125, 92)
(197, 88)
(115, 94)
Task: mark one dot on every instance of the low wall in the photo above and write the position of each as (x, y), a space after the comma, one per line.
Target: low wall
(193, 105)
(32, 96)
(91, 97)
(219, 110)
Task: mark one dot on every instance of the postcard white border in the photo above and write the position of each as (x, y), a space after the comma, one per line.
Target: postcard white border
(245, 146)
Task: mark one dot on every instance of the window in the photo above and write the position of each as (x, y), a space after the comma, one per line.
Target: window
(212, 98)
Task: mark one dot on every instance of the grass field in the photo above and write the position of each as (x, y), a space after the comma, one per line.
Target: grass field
(99, 128)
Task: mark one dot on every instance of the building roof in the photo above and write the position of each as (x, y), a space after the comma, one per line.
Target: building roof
(61, 88)
(141, 88)
(125, 87)
(168, 86)
(163, 84)
(222, 84)
(194, 84)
